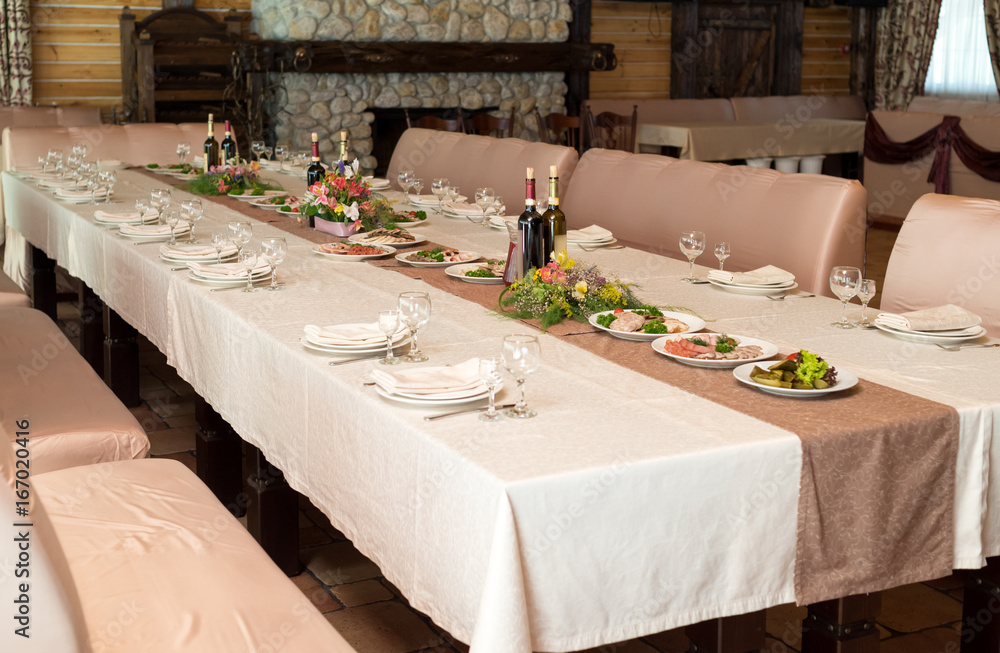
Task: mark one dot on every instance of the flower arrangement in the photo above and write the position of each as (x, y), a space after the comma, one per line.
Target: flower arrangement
(344, 195)
(562, 289)
(237, 175)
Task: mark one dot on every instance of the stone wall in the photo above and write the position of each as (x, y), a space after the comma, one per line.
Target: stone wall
(329, 103)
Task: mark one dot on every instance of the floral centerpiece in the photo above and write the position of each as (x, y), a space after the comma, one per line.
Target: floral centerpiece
(342, 203)
(563, 289)
(237, 175)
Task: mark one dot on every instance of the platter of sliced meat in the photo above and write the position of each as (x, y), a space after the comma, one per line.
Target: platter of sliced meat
(714, 349)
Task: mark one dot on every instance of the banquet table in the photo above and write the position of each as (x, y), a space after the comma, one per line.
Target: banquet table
(736, 140)
(628, 506)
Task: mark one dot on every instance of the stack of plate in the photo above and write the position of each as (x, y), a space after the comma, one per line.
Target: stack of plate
(61, 183)
(759, 289)
(152, 232)
(80, 196)
(461, 210)
(433, 386)
(944, 337)
(116, 219)
(227, 274)
(356, 339)
(592, 236)
(377, 184)
(192, 253)
(247, 196)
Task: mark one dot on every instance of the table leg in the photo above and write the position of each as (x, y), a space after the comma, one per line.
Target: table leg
(980, 609)
(739, 634)
(273, 512)
(219, 454)
(844, 625)
(121, 358)
(43, 282)
(92, 328)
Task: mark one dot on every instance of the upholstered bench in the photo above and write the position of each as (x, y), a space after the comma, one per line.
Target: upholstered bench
(805, 224)
(138, 555)
(470, 161)
(11, 294)
(75, 419)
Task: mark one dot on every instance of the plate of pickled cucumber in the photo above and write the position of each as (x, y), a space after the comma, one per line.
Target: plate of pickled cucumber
(802, 374)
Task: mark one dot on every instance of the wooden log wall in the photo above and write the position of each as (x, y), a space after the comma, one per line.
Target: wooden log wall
(76, 48)
(641, 34)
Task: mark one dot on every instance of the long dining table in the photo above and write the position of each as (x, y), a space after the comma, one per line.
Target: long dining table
(628, 506)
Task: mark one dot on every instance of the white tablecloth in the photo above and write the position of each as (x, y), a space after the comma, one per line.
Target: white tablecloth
(625, 508)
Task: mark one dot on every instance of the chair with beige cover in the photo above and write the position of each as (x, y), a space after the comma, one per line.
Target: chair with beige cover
(947, 253)
(11, 294)
(469, 161)
(805, 224)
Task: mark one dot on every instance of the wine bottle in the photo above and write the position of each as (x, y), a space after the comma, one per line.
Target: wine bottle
(211, 146)
(530, 225)
(315, 172)
(554, 220)
(229, 150)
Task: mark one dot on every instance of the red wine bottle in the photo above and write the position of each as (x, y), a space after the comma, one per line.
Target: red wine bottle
(211, 146)
(229, 150)
(554, 220)
(315, 172)
(530, 225)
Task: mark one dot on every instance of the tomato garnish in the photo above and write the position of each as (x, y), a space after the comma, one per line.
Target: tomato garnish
(619, 311)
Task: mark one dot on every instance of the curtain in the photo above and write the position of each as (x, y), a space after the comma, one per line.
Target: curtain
(905, 39)
(993, 35)
(960, 66)
(15, 53)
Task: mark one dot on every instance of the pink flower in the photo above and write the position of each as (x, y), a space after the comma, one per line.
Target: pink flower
(545, 274)
(340, 183)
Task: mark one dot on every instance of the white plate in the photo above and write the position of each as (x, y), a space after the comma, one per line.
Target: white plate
(84, 199)
(360, 238)
(377, 184)
(594, 244)
(267, 193)
(777, 286)
(694, 324)
(767, 351)
(458, 271)
(755, 290)
(227, 282)
(401, 338)
(386, 250)
(118, 223)
(845, 381)
(260, 203)
(930, 338)
(231, 258)
(500, 221)
(431, 402)
(154, 237)
(414, 223)
(401, 257)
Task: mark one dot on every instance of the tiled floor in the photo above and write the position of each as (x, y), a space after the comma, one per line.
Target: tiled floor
(375, 618)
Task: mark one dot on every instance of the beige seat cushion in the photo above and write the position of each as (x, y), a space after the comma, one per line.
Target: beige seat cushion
(11, 294)
(75, 419)
(470, 161)
(805, 224)
(946, 253)
(160, 565)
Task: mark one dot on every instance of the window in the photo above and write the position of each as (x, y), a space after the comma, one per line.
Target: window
(960, 63)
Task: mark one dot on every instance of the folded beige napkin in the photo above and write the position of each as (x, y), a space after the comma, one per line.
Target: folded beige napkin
(765, 276)
(152, 229)
(124, 216)
(227, 270)
(376, 182)
(79, 194)
(194, 251)
(591, 234)
(939, 318)
(346, 335)
(44, 175)
(461, 208)
(109, 163)
(459, 380)
(59, 183)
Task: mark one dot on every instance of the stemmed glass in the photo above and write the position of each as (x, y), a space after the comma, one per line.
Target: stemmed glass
(440, 188)
(273, 250)
(172, 216)
(192, 211)
(453, 194)
(405, 179)
(414, 310)
(522, 354)
(489, 372)
(866, 291)
(388, 323)
(844, 282)
(281, 152)
(158, 198)
(484, 199)
(257, 147)
(692, 244)
(220, 241)
(93, 183)
(79, 149)
(108, 179)
(722, 252)
(183, 150)
(417, 185)
(498, 206)
(240, 232)
(248, 259)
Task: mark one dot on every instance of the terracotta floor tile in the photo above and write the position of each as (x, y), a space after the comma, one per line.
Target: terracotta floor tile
(784, 622)
(185, 457)
(914, 607)
(149, 382)
(171, 441)
(180, 386)
(339, 563)
(149, 420)
(669, 641)
(934, 640)
(386, 627)
(313, 536)
(362, 593)
(157, 395)
(318, 595)
(182, 420)
(174, 406)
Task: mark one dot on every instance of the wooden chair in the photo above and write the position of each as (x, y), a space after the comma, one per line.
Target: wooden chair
(612, 131)
(436, 122)
(552, 127)
(486, 125)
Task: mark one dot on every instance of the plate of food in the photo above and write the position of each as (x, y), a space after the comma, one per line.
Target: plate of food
(175, 170)
(714, 349)
(250, 194)
(487, 272)
(411, 218)
(645, 324)
(439, 257)
(397, 237)
(802, 374)
(273, 202)
(352, 251)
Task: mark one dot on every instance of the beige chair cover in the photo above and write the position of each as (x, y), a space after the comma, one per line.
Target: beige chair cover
(11, 294)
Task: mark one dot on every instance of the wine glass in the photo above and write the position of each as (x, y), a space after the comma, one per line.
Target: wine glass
(692, 244)
(414, 310)
(257, 147)
(417, 184)
(722, 252)
(183, 150)
(866, 291)
(522, 354)
(440, 188)
(273, 250)
(240, 232)
(142, 206)
(388, 323)
(79, 149)
(498, 206)
(405, 179)
(489, 372)
(220, 241)
(281, 152)
(453, 194)
(158, 198)
(484, 199)
(844, 282)
(108, 179)
(248, 259)
(171, 215)
(192, 211)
